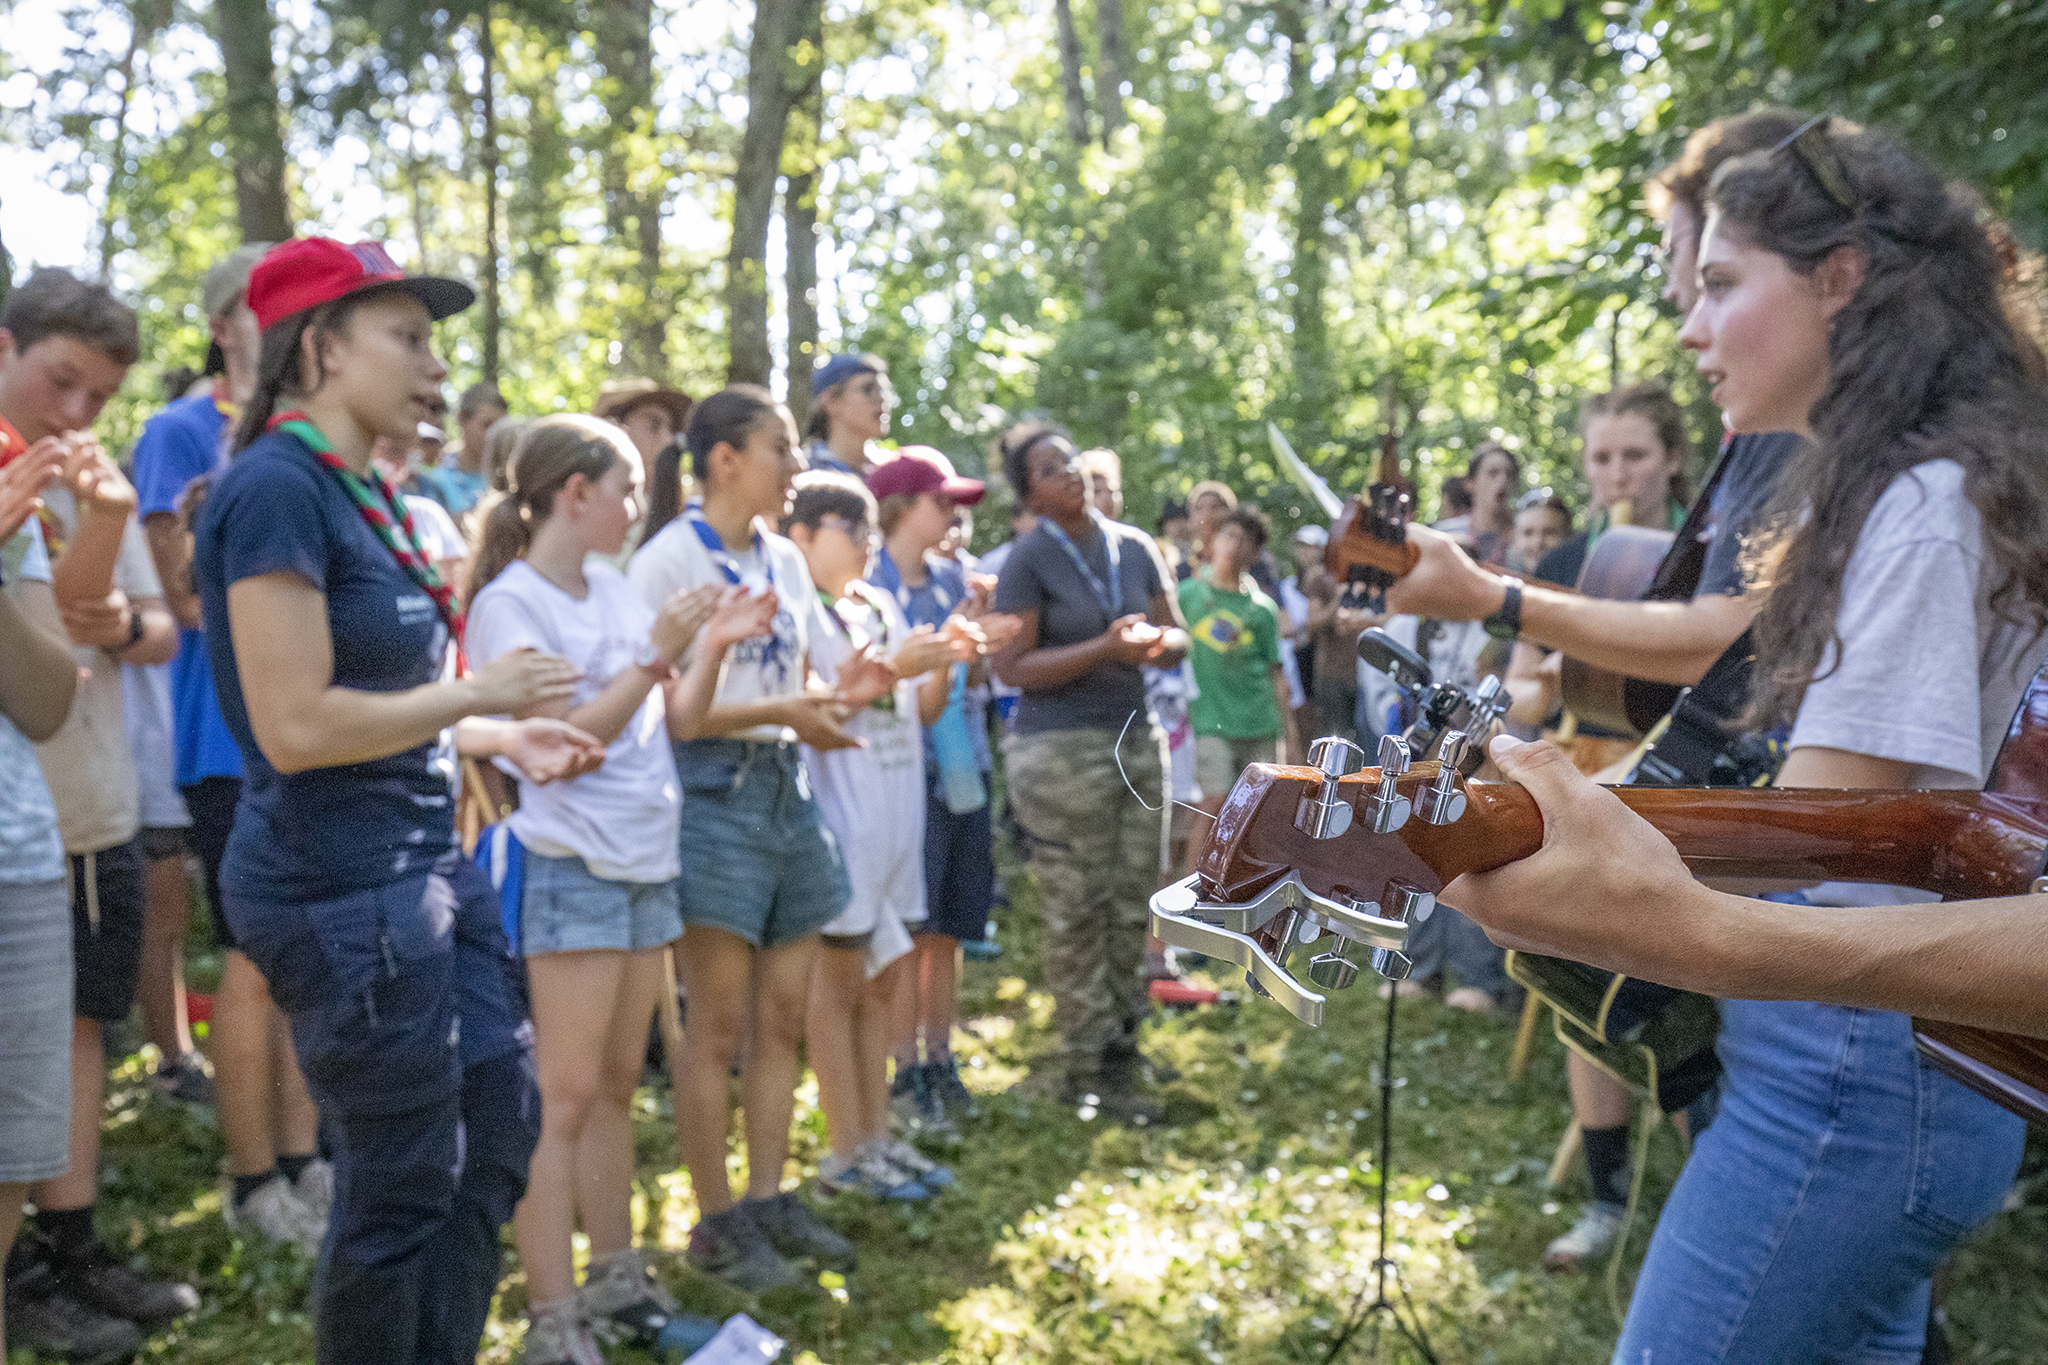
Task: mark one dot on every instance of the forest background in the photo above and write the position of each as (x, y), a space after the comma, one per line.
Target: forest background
(1162, 222)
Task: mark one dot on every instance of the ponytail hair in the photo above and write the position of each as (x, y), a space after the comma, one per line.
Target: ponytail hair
(727, 417)
(550, 452)
(664, 489)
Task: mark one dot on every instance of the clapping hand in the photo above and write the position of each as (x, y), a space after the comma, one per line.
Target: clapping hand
(95, 480)
(816, 722)
(1133, 640)
(680, 618)
(22, 481)
(99, 623)
(740, 614)
(520, 680)
(997, 628)
(862, 678)
(547, 750)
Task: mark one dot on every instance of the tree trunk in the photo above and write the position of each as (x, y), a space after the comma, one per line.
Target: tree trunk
(254, 130)
(753, 192)
(487, 45)
(802, 157)
(1308, 273)
(625, 47)
(1109, 66)
(1070, 72)
(117, 164)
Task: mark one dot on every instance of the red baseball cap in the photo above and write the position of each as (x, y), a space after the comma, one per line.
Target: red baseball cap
(921, 469)
(309, 271)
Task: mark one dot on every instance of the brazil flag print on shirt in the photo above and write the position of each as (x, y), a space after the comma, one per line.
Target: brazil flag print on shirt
(1236, 648)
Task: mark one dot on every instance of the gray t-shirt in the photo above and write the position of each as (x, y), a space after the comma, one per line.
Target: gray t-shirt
(1930, 674)
(29, 847)
(1040, 576)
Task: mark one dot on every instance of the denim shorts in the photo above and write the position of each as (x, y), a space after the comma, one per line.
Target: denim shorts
(757, 860)
(564, 909)
(35, 1031)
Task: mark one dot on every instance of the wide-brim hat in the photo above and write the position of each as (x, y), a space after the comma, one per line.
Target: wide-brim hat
(617, 397)
(309, 271)
(228, 280)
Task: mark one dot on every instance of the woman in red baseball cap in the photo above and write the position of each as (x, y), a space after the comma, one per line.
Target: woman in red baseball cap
(330, 636)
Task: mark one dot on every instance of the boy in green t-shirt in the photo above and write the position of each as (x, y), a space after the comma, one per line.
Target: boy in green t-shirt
(1241, 713)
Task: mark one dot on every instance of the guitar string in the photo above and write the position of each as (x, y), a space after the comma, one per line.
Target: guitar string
(1165, 778)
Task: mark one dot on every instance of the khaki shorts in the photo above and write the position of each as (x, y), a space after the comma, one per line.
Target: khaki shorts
(1218, 761)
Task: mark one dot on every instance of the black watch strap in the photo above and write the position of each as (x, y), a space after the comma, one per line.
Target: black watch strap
(1506, 623)
(135, 627)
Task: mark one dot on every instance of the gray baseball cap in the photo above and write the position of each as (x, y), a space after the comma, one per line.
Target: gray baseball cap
(229, 278)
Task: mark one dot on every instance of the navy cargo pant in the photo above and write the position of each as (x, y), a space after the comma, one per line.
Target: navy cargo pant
(409, 1019)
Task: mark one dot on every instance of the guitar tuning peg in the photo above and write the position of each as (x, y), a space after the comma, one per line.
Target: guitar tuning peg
(1389, 807)
(1332, 971)
(1441, 801)
(1392, 964)
(1325, 815)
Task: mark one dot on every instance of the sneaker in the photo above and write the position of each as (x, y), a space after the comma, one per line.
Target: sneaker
(622, 1298)
(733, 1247)
(42, 1317)
(315, 1189)
(94, 1277)
(870, 1172)
(273, 1212)
(917, 1165)
(559, 1336)
(985, 948)
(1472, 1000)
(911, 1102)
(795, 1232)
(949, 1096)
(187, 1079)
(1589, 1239)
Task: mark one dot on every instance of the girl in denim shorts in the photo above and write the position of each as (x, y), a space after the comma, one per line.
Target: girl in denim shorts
(598, 904)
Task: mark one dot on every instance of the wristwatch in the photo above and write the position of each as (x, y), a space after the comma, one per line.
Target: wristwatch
(651, 658)
(134, 632)
(1506, 623)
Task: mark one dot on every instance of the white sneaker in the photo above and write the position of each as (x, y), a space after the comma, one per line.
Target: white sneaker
(272, 1211)
(916, 1164)
(560, 1337)
(1589, 1239)
(315, 1189)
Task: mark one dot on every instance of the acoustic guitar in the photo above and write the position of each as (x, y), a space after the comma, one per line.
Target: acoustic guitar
(1309, 862)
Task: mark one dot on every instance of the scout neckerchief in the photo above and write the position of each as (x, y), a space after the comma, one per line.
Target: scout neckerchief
(14, 445)
(714, 544)
(383, 510)
(1111, 594)
(224, 398)
(866, 596)
(890, 580)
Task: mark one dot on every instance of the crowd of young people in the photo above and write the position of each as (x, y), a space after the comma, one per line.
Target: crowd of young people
(747, 711)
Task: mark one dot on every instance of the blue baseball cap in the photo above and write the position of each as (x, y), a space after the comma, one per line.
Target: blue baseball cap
(838, 369)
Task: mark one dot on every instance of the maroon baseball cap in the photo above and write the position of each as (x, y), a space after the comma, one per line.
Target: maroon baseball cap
(921, 469)
(309, 271)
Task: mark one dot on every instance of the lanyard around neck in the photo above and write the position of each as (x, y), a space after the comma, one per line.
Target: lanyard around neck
(1109, 595)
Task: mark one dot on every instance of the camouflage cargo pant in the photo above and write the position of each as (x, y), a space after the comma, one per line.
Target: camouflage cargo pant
(1095, 850)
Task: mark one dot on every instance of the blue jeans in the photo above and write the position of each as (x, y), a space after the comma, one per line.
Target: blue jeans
(757, 860)
(1838, 1174)
(409, 1020)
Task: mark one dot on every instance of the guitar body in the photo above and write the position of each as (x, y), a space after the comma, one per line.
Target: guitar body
(1622, 566)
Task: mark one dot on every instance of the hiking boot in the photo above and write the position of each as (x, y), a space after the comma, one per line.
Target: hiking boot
(733, 1247)
(186, 1078)
(557, 1335)
(949, 1095)
(621, 1297)
(795, 1232)
(917, 1165)
(273, 1212)
(91, 1275)
(870, 1172)
(42, 1317)
(912, 1103)
(1590, 1238)
(315, 1189)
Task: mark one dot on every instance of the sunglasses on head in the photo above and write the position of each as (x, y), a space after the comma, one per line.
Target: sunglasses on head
(1809, 144)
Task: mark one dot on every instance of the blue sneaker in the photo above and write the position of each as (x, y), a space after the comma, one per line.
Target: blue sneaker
(917, 1165)
(872, 1173)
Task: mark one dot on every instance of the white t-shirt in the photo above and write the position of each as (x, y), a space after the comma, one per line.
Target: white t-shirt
(88, 764)
(439, 536)
(1929, 673)
(765, 668)
(620, 820)
(30, 850)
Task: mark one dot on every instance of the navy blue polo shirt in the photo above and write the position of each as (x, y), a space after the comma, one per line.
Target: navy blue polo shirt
(324, 832)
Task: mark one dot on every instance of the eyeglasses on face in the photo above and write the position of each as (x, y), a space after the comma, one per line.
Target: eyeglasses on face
(1809, 143)
(859, 532)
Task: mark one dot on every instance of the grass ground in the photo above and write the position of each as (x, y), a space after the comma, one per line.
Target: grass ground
(1242, 1232)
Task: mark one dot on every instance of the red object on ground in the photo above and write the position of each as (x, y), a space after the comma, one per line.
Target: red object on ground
(1167, 991)
(198, 1007)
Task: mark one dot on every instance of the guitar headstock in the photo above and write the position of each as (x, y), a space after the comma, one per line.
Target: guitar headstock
(1369, 546)
(1307, 856)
